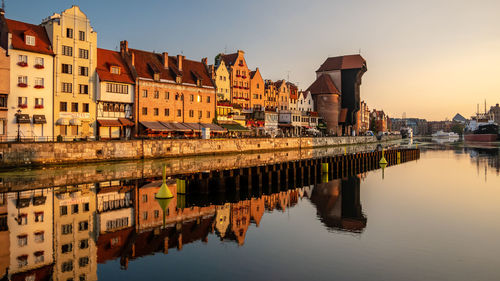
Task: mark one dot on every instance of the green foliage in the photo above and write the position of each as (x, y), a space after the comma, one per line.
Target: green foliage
(457, 128)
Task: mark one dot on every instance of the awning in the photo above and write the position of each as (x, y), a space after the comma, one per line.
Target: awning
(213, 127)
(343, 115)
(109, 123)
(63, 121)
(126, 122)
(154, 126)
(39, 119)
(234, 127)
(176, 127)
(23, 118)
(285, 125)
(75, 122)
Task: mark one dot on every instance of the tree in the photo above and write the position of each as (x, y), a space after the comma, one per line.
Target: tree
(457, 128)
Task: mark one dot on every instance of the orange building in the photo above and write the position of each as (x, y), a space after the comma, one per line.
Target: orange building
(173, 94)
(270, 96)
(257, 88)
(239, 77)
(283, 95)
(240, 220)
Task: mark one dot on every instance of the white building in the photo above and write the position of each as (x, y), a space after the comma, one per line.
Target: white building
(30, 101)
(115, 96)
(114, 208)
(30, 224)
(306, 102)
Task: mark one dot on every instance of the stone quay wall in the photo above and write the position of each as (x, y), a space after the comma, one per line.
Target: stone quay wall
(39, 154)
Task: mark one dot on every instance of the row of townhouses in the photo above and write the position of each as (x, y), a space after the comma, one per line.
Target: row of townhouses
(57, 84)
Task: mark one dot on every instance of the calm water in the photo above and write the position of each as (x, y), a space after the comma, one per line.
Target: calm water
(436, 218)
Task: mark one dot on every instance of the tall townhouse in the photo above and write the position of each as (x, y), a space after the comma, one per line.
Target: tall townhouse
(221, 77)
(75, 46)
(293, 94)
(115, 96)
(75, 233)
(257, 87)
(305, 102)
(29, 102)
(30, 230)
(240, 78)
(270, 96)
(283, 95)
(4, 92)
(173, 94)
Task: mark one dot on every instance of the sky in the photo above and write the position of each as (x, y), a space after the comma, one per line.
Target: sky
(428, 59)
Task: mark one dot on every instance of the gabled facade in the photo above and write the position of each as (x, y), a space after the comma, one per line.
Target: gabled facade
(270, 96)
(31, 71)
(240, 78)
(4, 94)
(305, 102)
(257, 87)
(74, 43)
(283, 95)
(115, 96)
(222, 81)
(293, 96)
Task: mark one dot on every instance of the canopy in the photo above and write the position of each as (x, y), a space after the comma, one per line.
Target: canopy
(154, 126)
(176, 127)
(234, 127)
(23, 118)
(75, 122)
(39, 119)
(109, 123)
(63, 121)
(126, 122)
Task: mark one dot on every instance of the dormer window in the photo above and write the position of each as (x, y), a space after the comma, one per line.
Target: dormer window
(30, 40)
(156, 76)
(116, 70)
(198, 82)
(178, 79)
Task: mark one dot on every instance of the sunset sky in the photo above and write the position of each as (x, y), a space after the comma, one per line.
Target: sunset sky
(430, 59)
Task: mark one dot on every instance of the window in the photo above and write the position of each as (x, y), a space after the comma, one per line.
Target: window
(22, 59)
(83, 71)
(84, 244)
(84, 89)
(81, 35)
(155, 111)
(67, 228)
(69, 32)
(208, 99)
(208, 114)
(157, 214)
(63, 107)
(38, 216)
(167, 112)
(22, 101)
(38, 82)
(200, 98)
(39, 237)
(83, 225)
(67, 87)
(167, 95)
(67, 68)
(116, 88)
(200, 114)
(144, 93)
(156, 94)
(144, 198)
(83, 261)
(144, 111)
(74, 108)
(83, 53)
(30, 40)
(64, 209)
(67, 51)
(115, 70)
(22, 261)
(179, 113)
(3, 101)
(66, 248)
(39, 257)
(67, 266)
(86, 110)
(144, 215)
(191, 113)
(22, 79)
(86, 207)
(191, 98)
(22, 240)
(39, 62)
(82, 277)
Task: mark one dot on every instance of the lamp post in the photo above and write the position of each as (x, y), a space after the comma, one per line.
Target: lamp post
(18, 114)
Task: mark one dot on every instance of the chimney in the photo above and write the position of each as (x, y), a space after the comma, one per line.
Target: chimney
(204, 61)
(132, 58)
(165, 59)
(180, 58)
(123, 47)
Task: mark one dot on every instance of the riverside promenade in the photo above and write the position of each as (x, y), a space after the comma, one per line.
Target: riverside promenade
(14, 155)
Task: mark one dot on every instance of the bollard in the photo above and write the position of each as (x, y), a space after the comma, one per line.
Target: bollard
(324, 167)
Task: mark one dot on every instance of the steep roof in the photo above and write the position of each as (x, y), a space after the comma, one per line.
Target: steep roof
(148, 63)
(323, 85)
(108, 58)
(19, 29)
(343, 62)
(229, 59)
(459, 118)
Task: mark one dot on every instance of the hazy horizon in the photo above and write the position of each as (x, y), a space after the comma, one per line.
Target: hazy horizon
(430, 59)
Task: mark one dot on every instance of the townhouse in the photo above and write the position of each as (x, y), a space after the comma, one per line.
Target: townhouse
(4, 91)
(257, 88)
(240, 78)
(270, 96)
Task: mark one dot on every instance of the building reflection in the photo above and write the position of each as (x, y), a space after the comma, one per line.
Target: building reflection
(63, 233)
(489, 157)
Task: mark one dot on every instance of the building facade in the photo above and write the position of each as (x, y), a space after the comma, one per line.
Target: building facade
(74, 43)
(327, 100)
(305, 102)
(4, 93)
(240, 78)
(29, 102)
(364, 118)
(115, 96)
(270, 96)
(222, 80)
(283, 95)
(257, 87)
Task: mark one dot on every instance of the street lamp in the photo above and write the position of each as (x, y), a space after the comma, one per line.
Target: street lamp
(18, 114)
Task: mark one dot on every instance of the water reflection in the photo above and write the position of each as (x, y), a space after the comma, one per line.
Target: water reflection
(63, 233)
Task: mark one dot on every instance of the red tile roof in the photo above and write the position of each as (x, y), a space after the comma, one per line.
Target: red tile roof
(19, 29)
(146, 63)
(323, 85)
(108, 58)
(343, 62)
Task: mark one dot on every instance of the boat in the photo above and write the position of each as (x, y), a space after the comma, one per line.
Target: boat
(481, 128)
(406, 132)
(442, 134)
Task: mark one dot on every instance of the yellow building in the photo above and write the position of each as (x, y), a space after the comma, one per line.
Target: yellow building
(74, 43)
(222, 81)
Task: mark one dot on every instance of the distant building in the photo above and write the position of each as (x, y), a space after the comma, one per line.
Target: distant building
(380, 121)
(419, 126)
(4, 94)
(257, 88)
(282, 94)
(305, 102)
(459, 118)
(293, 94)
(364, 118)
(495, 113)
(270, 96)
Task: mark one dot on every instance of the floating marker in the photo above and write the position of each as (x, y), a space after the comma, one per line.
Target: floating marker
(164, 192)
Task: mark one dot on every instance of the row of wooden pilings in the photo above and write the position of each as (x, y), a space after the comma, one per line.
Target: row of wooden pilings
(271, 178)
